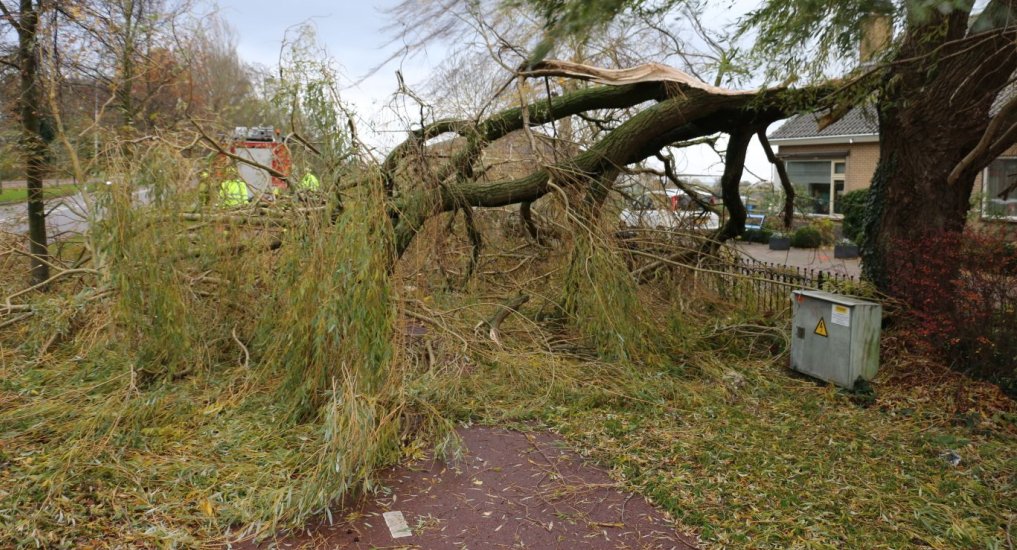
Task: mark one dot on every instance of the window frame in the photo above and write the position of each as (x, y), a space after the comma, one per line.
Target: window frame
(835, 178)
(984, 202)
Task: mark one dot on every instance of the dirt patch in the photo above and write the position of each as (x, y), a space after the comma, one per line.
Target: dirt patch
(512, 490)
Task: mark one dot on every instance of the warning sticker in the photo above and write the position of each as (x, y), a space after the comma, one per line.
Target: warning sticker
(821, 328)
(841, 316)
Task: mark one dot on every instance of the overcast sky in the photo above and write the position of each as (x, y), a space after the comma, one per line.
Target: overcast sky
(352, 32)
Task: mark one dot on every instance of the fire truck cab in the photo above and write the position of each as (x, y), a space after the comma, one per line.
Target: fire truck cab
(261, 144)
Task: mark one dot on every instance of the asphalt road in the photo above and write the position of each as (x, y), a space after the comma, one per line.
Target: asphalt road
(65, 216)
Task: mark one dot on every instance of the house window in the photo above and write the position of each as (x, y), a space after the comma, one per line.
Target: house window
(1000, 177)
(819, 183)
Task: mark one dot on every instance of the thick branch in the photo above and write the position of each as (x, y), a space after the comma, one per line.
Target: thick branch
(526, 215)
(734, 165)
(785, 181)
(649, 72)
(504, 310)
(672, 176)
(539, 112)
(982, 153)
(695, 114)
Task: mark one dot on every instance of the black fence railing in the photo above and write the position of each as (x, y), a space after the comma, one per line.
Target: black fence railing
(769, 285)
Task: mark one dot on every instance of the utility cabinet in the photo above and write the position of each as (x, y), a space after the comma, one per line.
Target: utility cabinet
(835, 338)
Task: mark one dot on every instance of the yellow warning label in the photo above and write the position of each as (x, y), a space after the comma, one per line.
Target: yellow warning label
(821, 328)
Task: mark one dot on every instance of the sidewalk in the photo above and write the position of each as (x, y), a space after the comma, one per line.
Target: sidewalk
(820, 258)
(511, 490)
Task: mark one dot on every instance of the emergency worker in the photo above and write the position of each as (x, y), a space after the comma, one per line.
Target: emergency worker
(310, 183)
(233, 189)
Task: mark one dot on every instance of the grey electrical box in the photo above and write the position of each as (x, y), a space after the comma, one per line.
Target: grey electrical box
(835, 338)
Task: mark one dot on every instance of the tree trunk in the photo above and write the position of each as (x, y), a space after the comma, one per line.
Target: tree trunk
(692, 114)
(932, 113)
(33, 144)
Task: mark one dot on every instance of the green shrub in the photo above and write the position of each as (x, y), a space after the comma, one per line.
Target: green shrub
(757, 235)
(853, 207)
(807, 237)
(827, 231)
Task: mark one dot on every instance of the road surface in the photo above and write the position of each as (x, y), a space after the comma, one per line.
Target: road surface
(65, 216)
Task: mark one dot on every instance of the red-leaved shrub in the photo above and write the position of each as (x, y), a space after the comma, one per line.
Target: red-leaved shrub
(961, 290)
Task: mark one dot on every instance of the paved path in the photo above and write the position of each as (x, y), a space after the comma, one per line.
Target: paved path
(511, 490)
(820, 258)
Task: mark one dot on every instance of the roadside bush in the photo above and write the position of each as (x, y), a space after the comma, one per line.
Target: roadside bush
(963, 301)
(827, 231)
(807, 237)
(757, 235)
(853, 206)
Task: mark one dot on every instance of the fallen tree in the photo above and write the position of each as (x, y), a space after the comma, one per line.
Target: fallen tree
(682, 109)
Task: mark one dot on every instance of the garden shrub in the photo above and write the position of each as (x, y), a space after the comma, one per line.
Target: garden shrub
(827, 231)
(853, 207)
(757, 235)
(807, 237)
(963, 301)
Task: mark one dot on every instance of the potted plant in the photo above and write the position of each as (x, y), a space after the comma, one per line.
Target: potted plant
(845, 250)
(780, 241)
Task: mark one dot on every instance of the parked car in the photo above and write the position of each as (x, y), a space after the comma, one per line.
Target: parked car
(671, 209)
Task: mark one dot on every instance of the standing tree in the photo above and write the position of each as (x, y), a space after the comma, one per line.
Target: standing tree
(940, 88)
(25, 22)
(940, 91)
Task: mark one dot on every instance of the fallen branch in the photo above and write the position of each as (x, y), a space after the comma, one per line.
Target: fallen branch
(15, 320)
(247, 354)
(8, 306)
(495, 321)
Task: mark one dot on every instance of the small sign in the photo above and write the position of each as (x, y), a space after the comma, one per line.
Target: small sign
(821, 328)
(397, 525)
(841, 315)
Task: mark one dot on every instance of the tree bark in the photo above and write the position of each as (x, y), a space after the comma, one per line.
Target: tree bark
(33, 143)
(934, 110)
(734, 166)
(684, 116)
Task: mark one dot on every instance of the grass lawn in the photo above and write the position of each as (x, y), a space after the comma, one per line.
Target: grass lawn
(746, 454)
(16, 195)
(709, 423)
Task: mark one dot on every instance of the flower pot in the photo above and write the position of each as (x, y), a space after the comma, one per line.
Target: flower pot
(845, 251)
(780, 243)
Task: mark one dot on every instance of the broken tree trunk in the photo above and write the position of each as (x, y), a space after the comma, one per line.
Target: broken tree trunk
(683, 111)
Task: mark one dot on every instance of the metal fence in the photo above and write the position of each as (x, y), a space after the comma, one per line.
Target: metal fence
(769, 285)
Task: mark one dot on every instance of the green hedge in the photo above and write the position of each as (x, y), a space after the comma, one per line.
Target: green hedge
(807, 237)
(853, 207)
(757, 235)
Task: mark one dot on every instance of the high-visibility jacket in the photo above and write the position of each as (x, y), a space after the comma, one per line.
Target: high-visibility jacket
(232, 192)
(310, 182)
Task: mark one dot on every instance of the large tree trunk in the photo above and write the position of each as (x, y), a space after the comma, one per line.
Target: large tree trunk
(690, 114)
(933, 112)
(33, 144)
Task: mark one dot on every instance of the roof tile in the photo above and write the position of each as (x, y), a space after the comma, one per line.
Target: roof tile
(858, 121)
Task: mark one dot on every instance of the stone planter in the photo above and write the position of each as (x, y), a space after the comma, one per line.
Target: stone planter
(780, 243)
(845, 251)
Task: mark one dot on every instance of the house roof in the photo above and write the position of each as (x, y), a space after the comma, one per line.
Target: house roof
(860, 121)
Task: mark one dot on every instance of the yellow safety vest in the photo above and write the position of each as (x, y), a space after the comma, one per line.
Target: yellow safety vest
(232, 193)
(310, 182)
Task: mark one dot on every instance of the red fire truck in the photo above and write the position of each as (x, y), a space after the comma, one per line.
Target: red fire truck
(263, 145)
